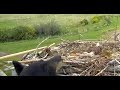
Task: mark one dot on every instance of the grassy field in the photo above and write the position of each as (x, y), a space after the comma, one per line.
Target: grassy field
(69, 23)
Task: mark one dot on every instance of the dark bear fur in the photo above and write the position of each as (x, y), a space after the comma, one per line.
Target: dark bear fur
(39, 68)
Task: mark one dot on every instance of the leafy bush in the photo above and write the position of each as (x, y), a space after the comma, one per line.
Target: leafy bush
(2, 35)
(51, 28)
(84, 22)
(23, 32)
(17, 33)
(95, 19)
(29, 32)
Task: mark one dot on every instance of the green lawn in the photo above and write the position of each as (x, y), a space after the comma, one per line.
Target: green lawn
(69, 23)
(13, 47)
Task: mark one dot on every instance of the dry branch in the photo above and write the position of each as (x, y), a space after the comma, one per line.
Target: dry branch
(20, 53)
(102, 70)
(86, 70)
(40, 44)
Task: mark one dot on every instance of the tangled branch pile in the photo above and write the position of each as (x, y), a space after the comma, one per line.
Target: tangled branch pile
(92, 58)
(83, 58)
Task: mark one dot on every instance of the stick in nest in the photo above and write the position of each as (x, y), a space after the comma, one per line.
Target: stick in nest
(88, 72)
(40, 44)
(86, 69)
(102, 70)
(35, 52)
(47, 50)
(77, 69)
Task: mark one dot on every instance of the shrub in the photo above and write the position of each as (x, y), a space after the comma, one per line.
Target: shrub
(51, 28)
(2, 35)
(84, 22)
(29, 32)
(23, 32)
(95, 19)
(17, 33)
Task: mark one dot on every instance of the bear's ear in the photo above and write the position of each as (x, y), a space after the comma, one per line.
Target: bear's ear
(18, 67)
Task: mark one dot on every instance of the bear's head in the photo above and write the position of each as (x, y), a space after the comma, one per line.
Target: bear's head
(39, 68)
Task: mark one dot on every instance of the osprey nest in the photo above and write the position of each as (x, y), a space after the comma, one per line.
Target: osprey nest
(82, 58)
(88, 58)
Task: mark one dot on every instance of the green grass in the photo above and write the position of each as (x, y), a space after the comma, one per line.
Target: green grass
(69, 24)
(14, 47)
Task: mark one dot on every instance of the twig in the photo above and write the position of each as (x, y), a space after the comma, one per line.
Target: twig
(51, 45)
(45, 56)
(74, 62)
(24, 57)
(47, 50)
(88, 73)
(64, 71)
(62, 75)
(102, 70)
(86, 69)
(76, 69)
(39, 45)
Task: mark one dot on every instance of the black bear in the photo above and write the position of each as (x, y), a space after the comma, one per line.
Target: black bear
(39, 68)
